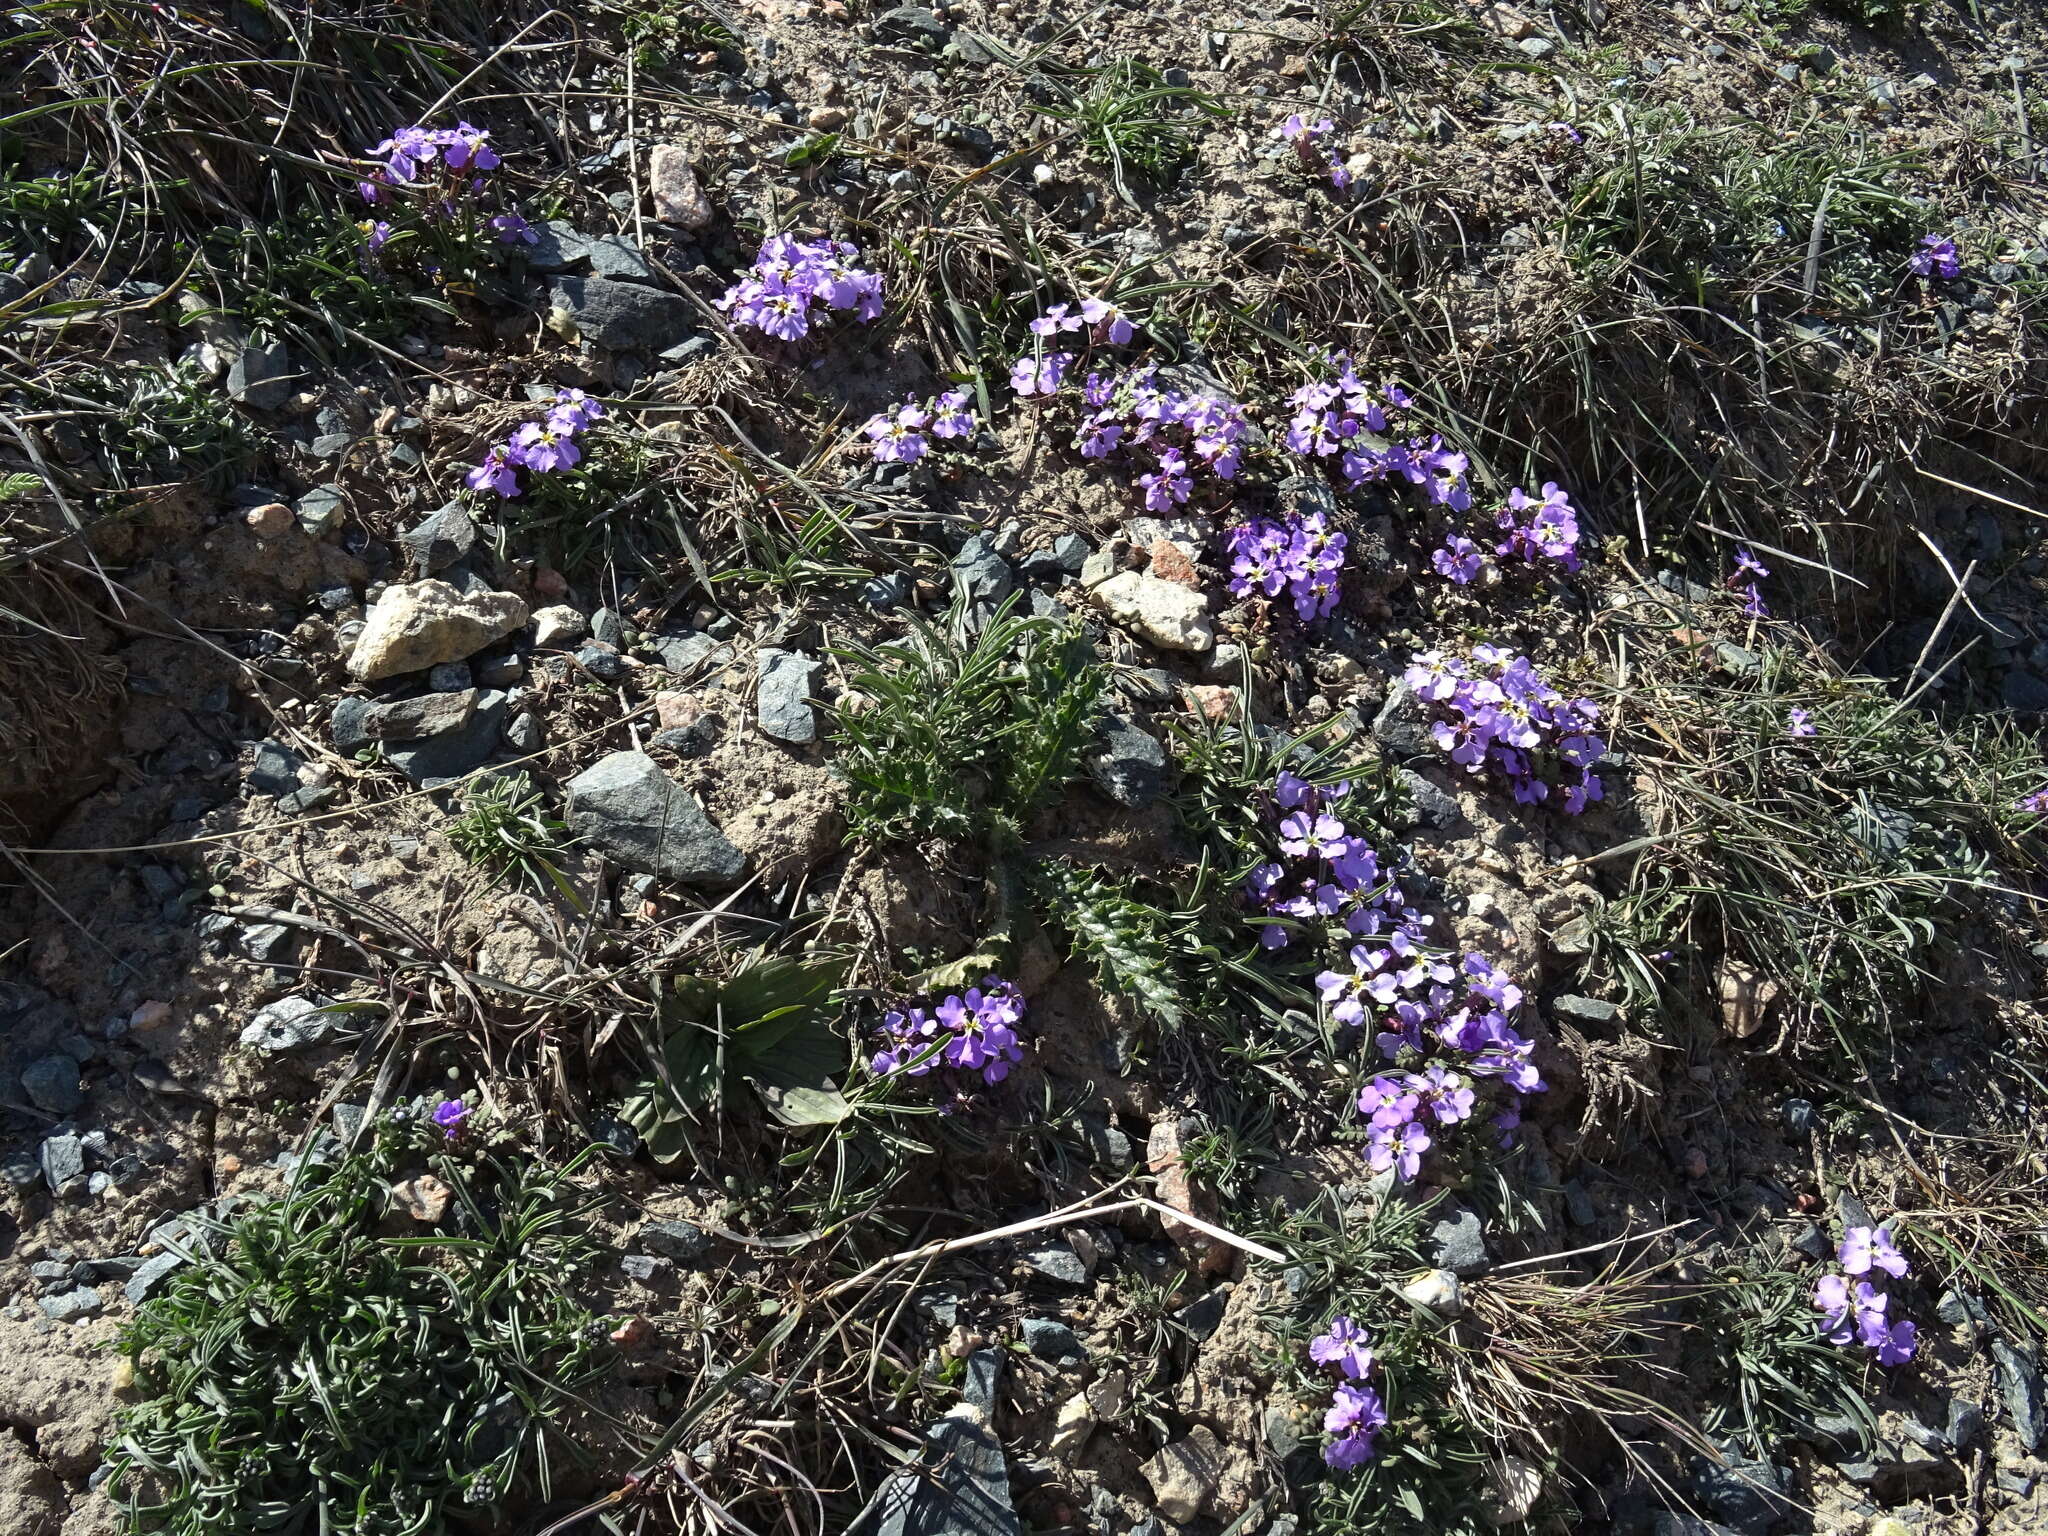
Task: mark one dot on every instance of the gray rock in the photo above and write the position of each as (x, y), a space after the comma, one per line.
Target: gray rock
(275, 770)
(687, 655)
(433, 714)
(1402, 725)
(152, 1274)
(983, 576)
(292, 1024)
(1203, 1317)
(454, 752)
(349, 725)
(887, 592)
(626, 808)
(1799, 1116)
(51, 1084)
(1813, 1243)
(1434, 808)
(2019, 1383)
(785, 682)
(608, 627)
(450, 677)
(1744, 1494)
(1590, 1010)
(62, 1159)
(558, 247)
(601, 662)
(1578, 1205)
(962, 1487)
(984, 1373)
(1051, 1340)
(679, 1240)
(1108, 1146)
(523, 733)
(911, 26)
(1852, 1211)
(269, 943)
(261, 378)
(615, 256)
(441, 540)
(1129, 766)
(71, 1306)
(1065, 558)
(622, 317)
(1056, 1261)
(641, 1266)
(319, 509)
(1457, 1242)
(1959, 1307)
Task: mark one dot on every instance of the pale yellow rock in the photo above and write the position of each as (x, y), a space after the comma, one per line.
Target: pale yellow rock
(420, 624)
(1162, 613)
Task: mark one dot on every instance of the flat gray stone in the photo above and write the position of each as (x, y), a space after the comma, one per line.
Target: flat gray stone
(455, 752)
(622, 317)
(626, 808)
(261, 378)
(291, 1024)
(688, 655)
(683, 1241)
(1050, 1339)
(1129, 762)
(441, 540)
(152, 1273)
(1056, 1261)
(432, 714)
(2019, 1383)
(785, 682)
(70, 1306)
(319, 509)
(62, 1159)
(51, 1084)
(1457, 1242)
(962, 1487)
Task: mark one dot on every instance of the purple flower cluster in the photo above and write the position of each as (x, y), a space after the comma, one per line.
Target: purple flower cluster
(1747, 573)
(2036, 803)
(1858, 1312)
(1326, 874)
(1299, 555)
(1936, 257)
(1343, 416)
(1185, 431)
(1460, 1017)
(902, 435)
(1502, 712)
(1540, 530)
(793, 279)
(538, 447)
(1536, 531)
(437, 167)
(1356, 1413)
(974, 1033)
(1311, 143)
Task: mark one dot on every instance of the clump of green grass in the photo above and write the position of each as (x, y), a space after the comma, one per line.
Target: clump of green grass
(1134, 123)
(964, 730)
(154, 424)
(507, 829)
(1771, 1374)
(305, 1372)
(1843, 866)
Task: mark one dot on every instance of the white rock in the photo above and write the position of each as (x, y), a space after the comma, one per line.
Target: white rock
(1161, 613)
(1513, 1487)
(558, 625)
(1075, 1424)
(678, 198)
(1438, 1290)
(421, 624)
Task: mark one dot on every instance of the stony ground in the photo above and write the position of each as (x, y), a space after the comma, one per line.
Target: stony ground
(378, 845)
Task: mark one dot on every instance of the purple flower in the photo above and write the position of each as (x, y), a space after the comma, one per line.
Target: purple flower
(1799, 722)
(1936, 257)
(1460, 560)
(380, 232)
(575, 410)
(450, 1115)
(2036, 803)
(975, 1033)
(899, 434)
(952, 416)
(1040, 375)
(789, 276)
(1866, 1247)
(1346, 1346)
(1355, 1416)
(465, 146)
(1055, 320)
(1895, 1345)
(511, 229)
(1831, 1297)
(1110, 323)
(1550, 530)
(372, 192)
(1747, 564)
(496, 473)
(545, 447)
(406, 151)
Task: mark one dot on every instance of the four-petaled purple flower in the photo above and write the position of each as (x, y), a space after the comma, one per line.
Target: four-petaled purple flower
(1935, 257)
(1540, 530)
(898, 435)
(1355, 1414)
(1460, 560)
(1311, 143)
(450, 1116)
(539, 447)
(974, 1032)
(1799, 722)
(1346, 1346)
(1300, 555)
